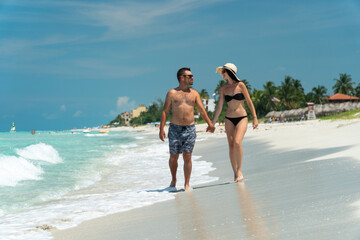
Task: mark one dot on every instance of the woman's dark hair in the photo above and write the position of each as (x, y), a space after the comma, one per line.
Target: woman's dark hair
(231, 75)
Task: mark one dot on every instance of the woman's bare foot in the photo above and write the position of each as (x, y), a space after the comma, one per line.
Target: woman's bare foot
(188, 188)
(239, 178)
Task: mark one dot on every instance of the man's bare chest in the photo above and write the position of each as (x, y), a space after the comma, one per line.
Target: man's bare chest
(184, 99)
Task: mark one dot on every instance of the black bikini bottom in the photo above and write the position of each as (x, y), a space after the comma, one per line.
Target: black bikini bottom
(235, 121)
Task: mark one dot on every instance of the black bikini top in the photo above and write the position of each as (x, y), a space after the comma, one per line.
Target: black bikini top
(238, 96)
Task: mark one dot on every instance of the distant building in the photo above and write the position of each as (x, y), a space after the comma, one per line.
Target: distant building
(136, 112)
(126, 116)
(209, 104)
(339, 98)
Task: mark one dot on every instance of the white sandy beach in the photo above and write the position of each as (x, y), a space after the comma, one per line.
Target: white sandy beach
(301, 182)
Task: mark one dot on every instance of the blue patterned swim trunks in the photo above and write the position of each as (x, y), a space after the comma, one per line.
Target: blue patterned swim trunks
(181, 138)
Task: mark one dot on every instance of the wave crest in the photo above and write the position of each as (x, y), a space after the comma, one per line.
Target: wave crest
(14, 169)
(40, 152)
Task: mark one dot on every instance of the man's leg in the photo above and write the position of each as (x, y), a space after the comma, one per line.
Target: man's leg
(187, 169)
(173, 164)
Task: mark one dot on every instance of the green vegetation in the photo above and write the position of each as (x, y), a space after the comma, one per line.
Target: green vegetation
(290, 93)
(117, 121)
(354, 114)
(153, 114)
(344, 84)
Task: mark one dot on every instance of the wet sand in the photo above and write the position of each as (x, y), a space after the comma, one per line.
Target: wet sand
(301, 182)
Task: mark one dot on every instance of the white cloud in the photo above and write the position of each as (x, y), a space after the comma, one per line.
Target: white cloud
(50, 116)
(77, 114)
(113, 113)
(12, 46)
(135, 19)
(8, 116)
(123, 103)
(63, 107)
(281, 69)
(121, 19)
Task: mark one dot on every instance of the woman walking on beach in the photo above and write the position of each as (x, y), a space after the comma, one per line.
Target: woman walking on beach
(235, 93)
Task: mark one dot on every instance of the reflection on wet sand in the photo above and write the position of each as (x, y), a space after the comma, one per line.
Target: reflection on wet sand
(254, 226)
(193, 223)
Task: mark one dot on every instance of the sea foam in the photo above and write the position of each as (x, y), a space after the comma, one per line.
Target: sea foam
(15, 169)
(40, 152)
(127, 175)
(26, 166)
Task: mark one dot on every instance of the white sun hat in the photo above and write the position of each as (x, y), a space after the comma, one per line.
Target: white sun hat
(229, 66)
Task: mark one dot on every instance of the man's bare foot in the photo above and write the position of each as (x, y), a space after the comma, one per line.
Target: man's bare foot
(173, 183)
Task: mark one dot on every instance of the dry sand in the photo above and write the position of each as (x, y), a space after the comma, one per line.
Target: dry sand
(301, 182)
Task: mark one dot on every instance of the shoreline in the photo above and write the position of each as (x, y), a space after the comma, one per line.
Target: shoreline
(320, 158)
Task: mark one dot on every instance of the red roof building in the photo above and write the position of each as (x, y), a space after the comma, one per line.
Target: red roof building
(339, 97)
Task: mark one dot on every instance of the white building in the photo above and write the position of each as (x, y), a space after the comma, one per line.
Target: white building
(210, 106)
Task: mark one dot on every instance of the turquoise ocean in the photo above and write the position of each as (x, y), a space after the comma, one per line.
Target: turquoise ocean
(60, 179)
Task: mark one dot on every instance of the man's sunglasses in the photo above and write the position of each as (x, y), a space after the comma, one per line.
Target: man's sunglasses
(190, 76)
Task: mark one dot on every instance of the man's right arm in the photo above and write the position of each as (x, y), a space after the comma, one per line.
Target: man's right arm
(164, 115)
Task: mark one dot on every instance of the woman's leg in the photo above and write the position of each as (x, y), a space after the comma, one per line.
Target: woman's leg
(239, 134)
(230, 130)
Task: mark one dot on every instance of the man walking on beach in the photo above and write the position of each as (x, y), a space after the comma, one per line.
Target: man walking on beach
(182, 132)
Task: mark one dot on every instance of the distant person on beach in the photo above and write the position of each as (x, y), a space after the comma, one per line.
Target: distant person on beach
(182, 132)
(235, 93)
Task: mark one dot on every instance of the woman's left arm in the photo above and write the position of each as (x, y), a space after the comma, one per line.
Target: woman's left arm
(249, 103)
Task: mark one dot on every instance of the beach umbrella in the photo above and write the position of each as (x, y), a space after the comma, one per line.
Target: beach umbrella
(347, 106)
(277, 114)
(341, 107)
(353, 105)
(318, 109)
(292, 113)
(270, 114)
(344, 106)
(333, 107)
(358, 105)
(298, 112)
(285, 113)
(327, 109)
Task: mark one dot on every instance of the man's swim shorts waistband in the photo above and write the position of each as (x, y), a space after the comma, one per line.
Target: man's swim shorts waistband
(183, 127)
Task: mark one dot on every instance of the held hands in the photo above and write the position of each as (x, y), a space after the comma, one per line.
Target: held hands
(210, 128)
(162, 135)
(255, 123)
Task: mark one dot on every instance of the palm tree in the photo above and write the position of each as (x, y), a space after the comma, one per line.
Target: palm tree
(247, 84)
(344, 84)
(217, 89)
(205, 95)
(286, 93)
(357, 90)
(258, 99)
(318, 94)
(299, 93)
(268, 93)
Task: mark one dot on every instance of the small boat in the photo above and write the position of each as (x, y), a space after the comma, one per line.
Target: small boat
(87, 130)
(13, 128)
(103, 131)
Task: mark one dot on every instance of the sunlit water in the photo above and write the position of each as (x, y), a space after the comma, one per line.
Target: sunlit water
(59, 179)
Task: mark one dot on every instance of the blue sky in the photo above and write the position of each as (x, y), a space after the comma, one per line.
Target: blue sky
(66, 64)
